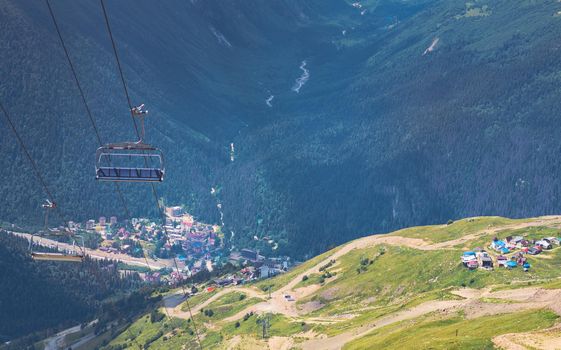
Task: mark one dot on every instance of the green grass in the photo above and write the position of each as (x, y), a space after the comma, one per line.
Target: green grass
(140, 331)
(212, 340)
(353, 306)
(441, 334)
(280, 326)
(178, 339)
(535, 232)
(175, 334)
(496, 301)
(313, 278)
(197, 299)
(400, 273)
(553, 283)
(97, 342)
(72, 337)
(403, 274)
(230, 304)
(281, 280)
(458, 229)
(141, 269)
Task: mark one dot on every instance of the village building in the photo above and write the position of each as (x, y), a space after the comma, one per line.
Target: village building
(249, 254)
(90, 224)
(544, 244)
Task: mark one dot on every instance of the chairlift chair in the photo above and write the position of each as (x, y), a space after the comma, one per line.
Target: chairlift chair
(117, 154)
(122, 162)
(57, 257)
(75, 256)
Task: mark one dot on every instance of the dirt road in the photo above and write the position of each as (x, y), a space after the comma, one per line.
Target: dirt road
(519, 300)
(57, 341)
(173, 302)
(549, 339)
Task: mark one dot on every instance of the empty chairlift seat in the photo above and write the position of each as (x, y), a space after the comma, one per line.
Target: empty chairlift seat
(129, 162)
(129, 174)
(57, 257)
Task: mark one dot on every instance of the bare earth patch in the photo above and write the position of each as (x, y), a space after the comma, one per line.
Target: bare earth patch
(280, 343)
(330, 293)
(549, 339)
(311, 306)
(476, 308)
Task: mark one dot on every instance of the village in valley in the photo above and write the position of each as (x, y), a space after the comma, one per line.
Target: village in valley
(196, 246)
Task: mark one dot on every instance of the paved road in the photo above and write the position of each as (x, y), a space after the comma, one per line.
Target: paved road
(98, 254)
(57, 341)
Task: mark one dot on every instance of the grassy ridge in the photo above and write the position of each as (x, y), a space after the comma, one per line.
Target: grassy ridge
(230, 304)
(200, 298)
(441, 334)
(403, 272)
(281, 280)
(459, 228)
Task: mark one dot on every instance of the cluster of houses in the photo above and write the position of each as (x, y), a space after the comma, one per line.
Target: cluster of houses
(197, 246)
(256, 266)
(479, 258)
(532, 247)
(201, 244)
(171, 278)
(253, 266)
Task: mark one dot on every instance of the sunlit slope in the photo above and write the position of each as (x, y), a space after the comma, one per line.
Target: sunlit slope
(396, 290)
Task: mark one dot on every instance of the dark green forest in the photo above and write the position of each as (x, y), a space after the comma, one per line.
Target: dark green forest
(38, 298)
(415, 112)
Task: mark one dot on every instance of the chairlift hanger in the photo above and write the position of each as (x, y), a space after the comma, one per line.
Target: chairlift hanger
(118, 152)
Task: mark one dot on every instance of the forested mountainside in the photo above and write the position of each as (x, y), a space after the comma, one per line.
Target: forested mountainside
(43, 296)
(345, 119)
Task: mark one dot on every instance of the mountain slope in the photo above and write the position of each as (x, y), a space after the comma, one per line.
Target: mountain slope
(409, 113)
(402, 290)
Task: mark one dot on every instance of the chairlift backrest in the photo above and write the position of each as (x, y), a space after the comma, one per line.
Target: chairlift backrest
(129, 162)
